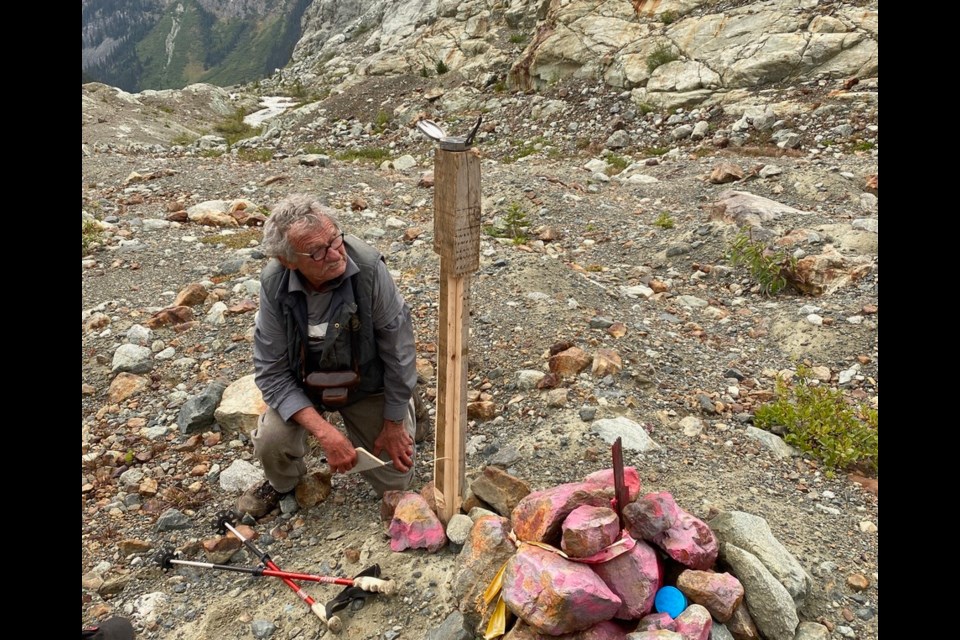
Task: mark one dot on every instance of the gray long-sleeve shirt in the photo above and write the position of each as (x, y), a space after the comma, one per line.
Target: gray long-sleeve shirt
(393, 331)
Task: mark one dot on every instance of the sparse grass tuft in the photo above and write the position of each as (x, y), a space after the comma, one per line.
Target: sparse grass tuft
(368, 154)
(441, 67)
(518, 38)
(617, 164)
(184, 139)
(524, 148)
(772, 270)
(236, 240)
(819, 421)
(382, 121)
(862, 145)
(90, 235)
(255, 155)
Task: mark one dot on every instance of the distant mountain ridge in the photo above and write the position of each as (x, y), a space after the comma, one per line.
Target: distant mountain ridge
(164, 44)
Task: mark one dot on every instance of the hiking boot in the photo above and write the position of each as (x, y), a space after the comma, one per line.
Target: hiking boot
(259, 500)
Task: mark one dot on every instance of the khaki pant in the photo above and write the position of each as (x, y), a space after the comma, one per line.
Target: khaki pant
(281, 446)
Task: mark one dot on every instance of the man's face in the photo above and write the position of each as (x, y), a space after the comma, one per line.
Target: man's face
(308, 240)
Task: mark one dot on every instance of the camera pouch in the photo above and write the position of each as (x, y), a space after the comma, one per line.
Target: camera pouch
(332, 387)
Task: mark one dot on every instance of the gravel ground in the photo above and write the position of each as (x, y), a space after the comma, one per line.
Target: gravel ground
(600, 239)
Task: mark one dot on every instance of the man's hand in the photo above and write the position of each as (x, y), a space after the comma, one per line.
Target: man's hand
(341, 456)
(395, 440)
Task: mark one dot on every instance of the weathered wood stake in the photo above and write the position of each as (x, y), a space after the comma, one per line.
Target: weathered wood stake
(457, 240)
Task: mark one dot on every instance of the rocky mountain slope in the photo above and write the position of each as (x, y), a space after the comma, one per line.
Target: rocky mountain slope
(162, 44)
(608, 224)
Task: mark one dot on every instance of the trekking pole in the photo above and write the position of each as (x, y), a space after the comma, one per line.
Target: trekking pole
(367, 583)
(374, 585)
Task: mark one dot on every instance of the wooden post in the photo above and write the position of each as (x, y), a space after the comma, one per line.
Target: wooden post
(457, 240)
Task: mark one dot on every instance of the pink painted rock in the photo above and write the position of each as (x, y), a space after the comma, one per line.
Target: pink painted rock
(588, 530)
(651, 515)
(415, 526)
(603, 631)
(635, 578)
(538, 517)
(720, 593)
(555, 595)
(694, 623)
(655, 621)
(631, 478)
(690, 542)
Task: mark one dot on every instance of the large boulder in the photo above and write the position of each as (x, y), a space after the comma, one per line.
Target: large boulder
(555, 595)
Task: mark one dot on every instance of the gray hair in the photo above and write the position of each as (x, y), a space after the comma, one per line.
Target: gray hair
(295, 210)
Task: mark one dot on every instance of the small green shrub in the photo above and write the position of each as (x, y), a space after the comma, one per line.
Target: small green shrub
(772, 270)
(296, 90)
(649, 152)
(516, 222)
(382, 121)
(424, 72)
(518, 38)
(90, 234)
(862, 145)
(234, 129)
(660, 56)
(441, 67)
(664, 220)
(514, 225)
(819, 421)
(645, 107)
(617, 164)
(669, 17)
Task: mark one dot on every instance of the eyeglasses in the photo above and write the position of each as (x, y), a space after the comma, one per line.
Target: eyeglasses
(320, 253)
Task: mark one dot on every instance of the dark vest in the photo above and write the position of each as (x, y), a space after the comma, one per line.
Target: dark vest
(350, 330)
